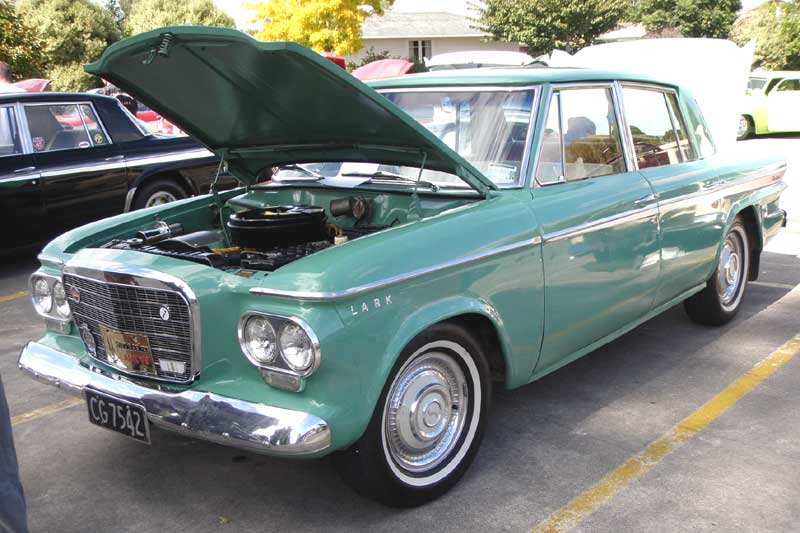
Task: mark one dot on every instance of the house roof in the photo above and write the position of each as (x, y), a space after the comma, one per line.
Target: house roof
(398, 25)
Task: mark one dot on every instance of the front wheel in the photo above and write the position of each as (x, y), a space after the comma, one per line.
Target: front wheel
(719, 302)
(427, 425)
(745, 129)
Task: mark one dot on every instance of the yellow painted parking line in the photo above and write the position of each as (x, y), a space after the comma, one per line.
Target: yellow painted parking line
(603, 491)
(14, 296)
(773, 285)
(49, 409)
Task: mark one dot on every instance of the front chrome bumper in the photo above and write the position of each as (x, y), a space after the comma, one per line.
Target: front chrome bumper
(251, 426)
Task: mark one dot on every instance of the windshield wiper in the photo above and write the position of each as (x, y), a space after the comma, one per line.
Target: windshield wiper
(300, 168)
(391, 176)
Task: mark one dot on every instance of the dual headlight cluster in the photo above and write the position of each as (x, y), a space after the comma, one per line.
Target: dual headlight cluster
(281, 345)
(50, 298)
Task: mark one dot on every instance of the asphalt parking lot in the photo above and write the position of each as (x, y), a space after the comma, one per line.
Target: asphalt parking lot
(597, 446)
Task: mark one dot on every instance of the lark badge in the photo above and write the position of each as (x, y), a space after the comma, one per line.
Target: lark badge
(98, 138)
(128, 351)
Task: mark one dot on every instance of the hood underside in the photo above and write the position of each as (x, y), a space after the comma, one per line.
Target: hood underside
(262, 104)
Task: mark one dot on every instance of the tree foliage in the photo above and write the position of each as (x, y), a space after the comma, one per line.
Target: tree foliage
(547, 25)
(691, 18)
(333, 25)
(20, 45)
(74, 32)
(775, 26)
(144, 15)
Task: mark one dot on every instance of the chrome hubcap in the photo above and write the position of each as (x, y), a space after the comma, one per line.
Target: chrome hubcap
(425, 412)
(160, 198)
(729, 272)
(742, 127)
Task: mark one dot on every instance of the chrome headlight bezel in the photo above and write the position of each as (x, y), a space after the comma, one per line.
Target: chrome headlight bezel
(51, 314)
(279, 363)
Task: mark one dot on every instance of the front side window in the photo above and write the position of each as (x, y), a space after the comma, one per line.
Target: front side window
(581, 138)
(56, 127)
(10, 140)
(487, 128)
(756, 84)
(656, 128)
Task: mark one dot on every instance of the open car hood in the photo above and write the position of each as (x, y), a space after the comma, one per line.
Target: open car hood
(262, 104)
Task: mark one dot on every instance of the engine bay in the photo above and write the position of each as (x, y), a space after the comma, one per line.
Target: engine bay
(258, 239)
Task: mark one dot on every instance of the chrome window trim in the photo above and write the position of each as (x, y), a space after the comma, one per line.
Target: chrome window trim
(288, 370)
(125, 274)
(519, 183)
(393, 280)
(109, 140)
(571, 85)
(22, 120)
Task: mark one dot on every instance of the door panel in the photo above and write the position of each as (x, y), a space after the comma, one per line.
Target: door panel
(601, 259)
(21, 201)
(83, 176)
(783, 106)
(599, 225)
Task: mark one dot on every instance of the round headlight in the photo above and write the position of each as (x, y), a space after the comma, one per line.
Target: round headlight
(296, 347)
(42, 295)
(60, 299)
(259, 339)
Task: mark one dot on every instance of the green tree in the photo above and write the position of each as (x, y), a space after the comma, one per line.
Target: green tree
(20, 45)
(546, 25)
(333, 25)
(144, 15)
(690, 18)
(775, 26)
(74, 32)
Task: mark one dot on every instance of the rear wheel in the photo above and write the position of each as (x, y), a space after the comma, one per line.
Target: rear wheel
(158, 192)
(719, 302)
(427, 425)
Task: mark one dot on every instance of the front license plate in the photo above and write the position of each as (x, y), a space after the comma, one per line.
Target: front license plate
(118, 415)
(128, 351)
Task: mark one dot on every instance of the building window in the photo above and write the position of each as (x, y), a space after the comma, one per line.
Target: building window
(418, 50)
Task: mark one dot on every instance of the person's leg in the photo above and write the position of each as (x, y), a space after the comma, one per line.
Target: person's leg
(12, 500)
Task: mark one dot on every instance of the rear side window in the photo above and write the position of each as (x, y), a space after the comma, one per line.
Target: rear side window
(581, 137)
(10, 140)
(788, 85)
(93, 126)
(657, 128)
(56, 127)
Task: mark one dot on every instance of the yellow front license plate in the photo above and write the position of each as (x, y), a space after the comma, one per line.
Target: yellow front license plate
(128, 351)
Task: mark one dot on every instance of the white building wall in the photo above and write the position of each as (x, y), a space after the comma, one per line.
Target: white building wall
(439, 45)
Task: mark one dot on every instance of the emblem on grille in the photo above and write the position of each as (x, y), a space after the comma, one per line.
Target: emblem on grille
(74, 294)
(88, 339)
(163, 312)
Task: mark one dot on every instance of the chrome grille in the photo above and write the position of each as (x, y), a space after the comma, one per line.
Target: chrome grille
(134, 309)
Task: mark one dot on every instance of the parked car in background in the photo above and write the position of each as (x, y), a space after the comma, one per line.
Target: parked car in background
(478, 59)
(371, 310)
(68, 159)
(772, 104)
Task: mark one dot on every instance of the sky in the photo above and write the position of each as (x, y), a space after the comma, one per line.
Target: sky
(242, 15)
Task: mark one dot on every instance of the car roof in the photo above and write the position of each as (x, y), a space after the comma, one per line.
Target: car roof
(51, 96)
(775, 74)
(511, 76)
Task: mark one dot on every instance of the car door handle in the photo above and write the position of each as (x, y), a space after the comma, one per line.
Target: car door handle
(24, 169)
(115, 158)
(644, 200)
(713, 185)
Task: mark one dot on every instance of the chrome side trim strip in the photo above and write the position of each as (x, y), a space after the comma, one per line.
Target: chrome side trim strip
(602, 223)
(333, 295)
(169, 158)
(50, 260)
(126, 274)
(198, 414)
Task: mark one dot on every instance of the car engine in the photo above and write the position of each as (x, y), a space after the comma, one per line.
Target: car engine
(262, 239)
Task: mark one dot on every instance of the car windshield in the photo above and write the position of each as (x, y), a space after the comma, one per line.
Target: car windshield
(487, 128)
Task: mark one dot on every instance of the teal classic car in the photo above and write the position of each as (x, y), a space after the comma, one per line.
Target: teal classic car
(772, 104)
(365, 299)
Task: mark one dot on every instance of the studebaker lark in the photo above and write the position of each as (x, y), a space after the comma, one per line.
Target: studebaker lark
(396, 251)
